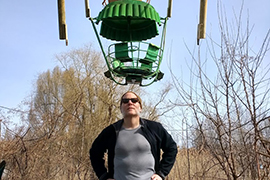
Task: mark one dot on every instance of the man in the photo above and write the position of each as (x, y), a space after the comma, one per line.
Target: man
(133, 145)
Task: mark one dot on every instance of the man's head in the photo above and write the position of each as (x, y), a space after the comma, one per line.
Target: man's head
(130, 104)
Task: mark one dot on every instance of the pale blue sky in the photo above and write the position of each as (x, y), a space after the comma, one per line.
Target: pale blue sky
(29, 36)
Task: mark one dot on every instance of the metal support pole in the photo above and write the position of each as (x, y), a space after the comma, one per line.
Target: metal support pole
(169, 10)
(62, 21)
(87, 9)
(202, 24)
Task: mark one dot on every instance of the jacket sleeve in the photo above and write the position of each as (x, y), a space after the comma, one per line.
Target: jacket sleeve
(169, 149)
(97, 151)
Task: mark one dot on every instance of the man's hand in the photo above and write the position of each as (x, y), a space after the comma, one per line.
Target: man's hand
(156, 177)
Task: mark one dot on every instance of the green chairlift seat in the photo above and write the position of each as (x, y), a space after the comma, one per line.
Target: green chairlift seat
(132, 61)
(131, 22)
(121, 52)
(150, 58)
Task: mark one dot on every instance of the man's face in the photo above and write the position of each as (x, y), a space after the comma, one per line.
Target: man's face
(129, 108)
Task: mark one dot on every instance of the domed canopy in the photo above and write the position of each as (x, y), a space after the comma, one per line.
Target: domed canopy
(128, 20)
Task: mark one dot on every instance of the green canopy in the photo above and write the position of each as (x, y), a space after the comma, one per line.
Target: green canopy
(128, 20)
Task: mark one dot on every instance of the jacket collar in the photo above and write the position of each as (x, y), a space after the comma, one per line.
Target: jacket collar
(117, 125)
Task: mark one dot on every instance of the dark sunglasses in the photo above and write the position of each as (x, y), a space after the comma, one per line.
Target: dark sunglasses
(133, 100)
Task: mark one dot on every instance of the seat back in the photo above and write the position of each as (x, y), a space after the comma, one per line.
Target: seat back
(152, 52)
(121, 52)
(151, 56)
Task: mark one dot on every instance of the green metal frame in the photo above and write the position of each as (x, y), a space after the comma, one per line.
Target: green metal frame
(112, 73)
(133, 73)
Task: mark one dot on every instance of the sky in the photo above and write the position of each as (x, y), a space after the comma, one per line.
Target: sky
(29, 37)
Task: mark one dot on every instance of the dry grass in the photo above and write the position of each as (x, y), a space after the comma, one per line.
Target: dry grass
(195, 165)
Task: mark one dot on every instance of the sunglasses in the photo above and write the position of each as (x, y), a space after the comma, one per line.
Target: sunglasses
(133, 100)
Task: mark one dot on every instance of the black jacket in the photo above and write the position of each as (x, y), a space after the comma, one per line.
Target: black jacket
(153, 131)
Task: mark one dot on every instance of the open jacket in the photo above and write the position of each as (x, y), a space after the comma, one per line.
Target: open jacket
(155, 134)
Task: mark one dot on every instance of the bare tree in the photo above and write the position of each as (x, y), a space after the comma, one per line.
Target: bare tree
(232, 109)
(69, 107)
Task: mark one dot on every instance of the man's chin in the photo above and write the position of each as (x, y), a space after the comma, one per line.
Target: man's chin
(131, 114)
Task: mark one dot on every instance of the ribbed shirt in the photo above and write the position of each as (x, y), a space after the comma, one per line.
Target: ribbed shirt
(133, 158)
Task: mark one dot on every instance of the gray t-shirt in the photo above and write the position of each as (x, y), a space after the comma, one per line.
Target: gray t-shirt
(133, 158)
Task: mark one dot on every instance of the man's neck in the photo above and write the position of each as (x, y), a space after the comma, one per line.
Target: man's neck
(131, 122)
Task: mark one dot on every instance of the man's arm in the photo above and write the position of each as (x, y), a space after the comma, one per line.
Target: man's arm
(169, 149)
(97, 151)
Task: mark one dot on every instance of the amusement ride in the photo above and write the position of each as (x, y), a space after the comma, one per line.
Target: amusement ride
(131, 25)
